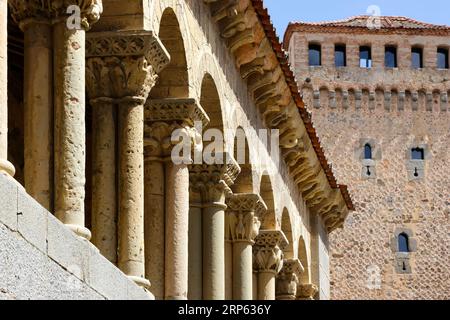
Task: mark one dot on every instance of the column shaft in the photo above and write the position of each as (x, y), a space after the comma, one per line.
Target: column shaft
(5, 165)
(154, 226)
(195, 251)
(177, 229)
(131, 190)
(242, 270)
(214, 251)
(70, 128)
(228, 270)
(104, 185)
(38, 109)
(266, 285)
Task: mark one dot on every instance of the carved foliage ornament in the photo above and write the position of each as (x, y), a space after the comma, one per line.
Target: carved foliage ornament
(90, 10)
(267, 251)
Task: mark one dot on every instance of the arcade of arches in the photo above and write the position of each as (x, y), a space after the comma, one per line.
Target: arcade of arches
(87, 129)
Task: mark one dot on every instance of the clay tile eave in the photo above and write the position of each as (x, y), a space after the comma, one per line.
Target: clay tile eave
(283, 60)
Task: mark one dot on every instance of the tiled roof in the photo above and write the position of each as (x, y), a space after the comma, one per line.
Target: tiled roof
(270, 31)
(369, 24)
(385, 22)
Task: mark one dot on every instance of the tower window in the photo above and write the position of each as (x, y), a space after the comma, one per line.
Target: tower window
(368, 152)
(442, 58)
(340, 56)
(315, 55)
(390, 57)
(403, 242)
(365, 57)
(418, 154)
(417, 58)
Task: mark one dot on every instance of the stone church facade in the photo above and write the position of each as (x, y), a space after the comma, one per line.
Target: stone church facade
(93, 204)
(378, 89)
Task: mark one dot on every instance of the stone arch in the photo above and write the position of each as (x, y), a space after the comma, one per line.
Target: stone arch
(173, 81)
(286, 227)
(269, 221)
(305, 277)
(210, 102)
(244, 182)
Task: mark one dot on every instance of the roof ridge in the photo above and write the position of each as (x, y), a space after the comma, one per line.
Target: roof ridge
(387, 18)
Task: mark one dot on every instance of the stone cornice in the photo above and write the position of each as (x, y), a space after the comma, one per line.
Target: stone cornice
(173, 110)
(128, 43)
(55, 10)
(249, 34)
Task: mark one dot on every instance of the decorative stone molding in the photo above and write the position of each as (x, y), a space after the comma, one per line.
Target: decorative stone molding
(242, 222)
(123, 64)
(163, 117)
(307, 291)
(211, 181)
(55, 10)
(288, 279)
(268, 251)
(242, 26)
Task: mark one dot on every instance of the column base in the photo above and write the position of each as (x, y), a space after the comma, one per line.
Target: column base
(6, 166)
(83, 232)
(144, 284)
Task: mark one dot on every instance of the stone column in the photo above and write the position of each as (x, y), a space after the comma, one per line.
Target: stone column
(213, 182)
(5, 165)
(228, 259)
(244, 213)
(154, 224)
(306, 291)
(34, 20)
(123, 66)
(268, 261)
(195, 263)
(104, 184)
(163, 118)
(288, 280)
(69, 101)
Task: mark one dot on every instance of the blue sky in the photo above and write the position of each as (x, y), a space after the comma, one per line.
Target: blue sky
(283, 11)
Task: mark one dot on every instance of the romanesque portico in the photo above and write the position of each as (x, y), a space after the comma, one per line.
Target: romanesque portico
(114, 98)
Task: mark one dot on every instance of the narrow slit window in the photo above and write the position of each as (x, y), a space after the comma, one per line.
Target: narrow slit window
(418, 154)
(368, 152)
(390, 57)
(340, 56)
(403, 243)
(365, 57)
(315, 55)
(417, 58)
(442, 58)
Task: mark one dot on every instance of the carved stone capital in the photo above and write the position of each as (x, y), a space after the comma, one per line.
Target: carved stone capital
(55, 10)
(306, 291)
(179, 110)
(123, 64)
(268, 251)
(212, 181)
(247, 202)
(163, 117)
(288, 279)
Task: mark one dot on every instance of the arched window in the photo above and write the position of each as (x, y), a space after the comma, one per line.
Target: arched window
(368, 152)
(403, 242)
(418, 154)
(315, 55)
